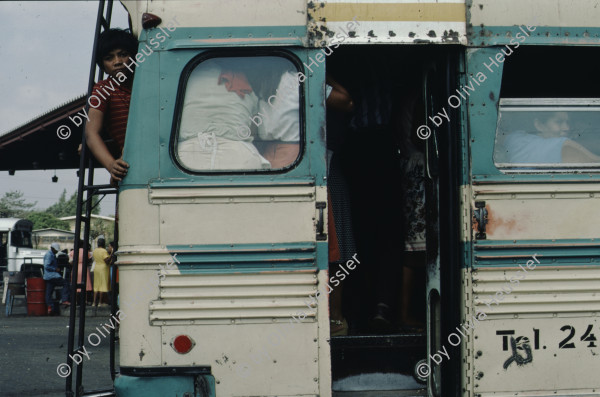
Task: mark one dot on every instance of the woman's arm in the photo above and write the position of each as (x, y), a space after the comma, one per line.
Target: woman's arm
(116, 167)
(572, 152)
(339, 99)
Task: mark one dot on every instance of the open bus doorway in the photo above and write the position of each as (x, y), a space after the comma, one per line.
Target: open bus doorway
(393, 204)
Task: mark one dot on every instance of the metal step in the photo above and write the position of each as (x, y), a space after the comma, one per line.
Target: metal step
(363, 354)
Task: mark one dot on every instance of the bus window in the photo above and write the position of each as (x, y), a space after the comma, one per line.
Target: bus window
(3, 250)
(541, 135)
(20, 238)
(239, 113)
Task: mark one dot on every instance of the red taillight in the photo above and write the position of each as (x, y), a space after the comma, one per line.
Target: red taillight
(150, 20)
(182, 344)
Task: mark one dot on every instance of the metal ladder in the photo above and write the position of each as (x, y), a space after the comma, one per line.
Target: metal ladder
(78, 304)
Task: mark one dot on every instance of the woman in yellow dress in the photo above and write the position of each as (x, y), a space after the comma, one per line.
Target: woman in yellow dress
(101, 272)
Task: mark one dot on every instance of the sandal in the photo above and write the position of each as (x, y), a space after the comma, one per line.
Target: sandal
(338, 327)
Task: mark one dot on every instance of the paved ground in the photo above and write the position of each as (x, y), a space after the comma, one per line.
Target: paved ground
(31, 348)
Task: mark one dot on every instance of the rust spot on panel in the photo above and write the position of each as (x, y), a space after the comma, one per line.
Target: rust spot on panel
(498, 224)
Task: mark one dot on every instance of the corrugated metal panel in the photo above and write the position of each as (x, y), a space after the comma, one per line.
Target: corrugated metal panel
(232, 195)
(233, 298)
(570, 289)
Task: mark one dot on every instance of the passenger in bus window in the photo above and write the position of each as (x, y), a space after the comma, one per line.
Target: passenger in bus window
(278, 122)
(549, 142)
(109, 102)
(215, 131)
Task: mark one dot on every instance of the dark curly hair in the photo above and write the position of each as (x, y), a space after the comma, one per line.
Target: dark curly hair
(112, 39)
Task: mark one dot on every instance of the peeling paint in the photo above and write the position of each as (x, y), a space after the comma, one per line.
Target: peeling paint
(431, 33)
(371, 34)
(450, 36)
(391, 33)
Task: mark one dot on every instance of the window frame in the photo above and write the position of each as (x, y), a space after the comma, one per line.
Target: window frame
(544, 104)
(189, 68)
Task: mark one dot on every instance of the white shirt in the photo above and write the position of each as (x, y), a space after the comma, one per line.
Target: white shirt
(280, 112)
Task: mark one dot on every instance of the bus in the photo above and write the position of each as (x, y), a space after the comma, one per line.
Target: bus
(16, 246)
(223, 257)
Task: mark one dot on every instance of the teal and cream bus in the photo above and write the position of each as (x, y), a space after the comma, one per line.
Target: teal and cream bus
(221, 253)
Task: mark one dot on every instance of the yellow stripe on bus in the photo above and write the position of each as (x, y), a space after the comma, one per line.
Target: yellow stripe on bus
(340, 12)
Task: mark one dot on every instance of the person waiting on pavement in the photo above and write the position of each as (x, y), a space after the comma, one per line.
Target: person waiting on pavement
(53, 278)
(101, 272)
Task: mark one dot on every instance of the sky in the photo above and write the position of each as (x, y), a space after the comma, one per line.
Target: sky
(46, 49)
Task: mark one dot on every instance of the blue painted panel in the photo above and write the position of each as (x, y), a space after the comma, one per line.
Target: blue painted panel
(483, 119)
(132, 386)
(153, 108)
(483, 107)
(226, 258)
(564, 252)
(541, 35)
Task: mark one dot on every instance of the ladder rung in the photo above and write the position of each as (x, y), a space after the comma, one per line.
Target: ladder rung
(92, 187)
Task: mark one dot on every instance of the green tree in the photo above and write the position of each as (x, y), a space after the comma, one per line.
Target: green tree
(64, 207)
(13, 205)
(44, 220)
(102, 227)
